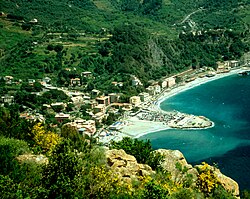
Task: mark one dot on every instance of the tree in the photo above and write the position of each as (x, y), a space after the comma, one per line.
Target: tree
(61, 176)
(69, 132)
(46, 139)
(10, 148)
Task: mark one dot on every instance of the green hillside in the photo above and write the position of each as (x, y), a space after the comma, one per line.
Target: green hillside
(110, 38)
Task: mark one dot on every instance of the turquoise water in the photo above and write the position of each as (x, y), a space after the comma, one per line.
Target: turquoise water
(227, 103)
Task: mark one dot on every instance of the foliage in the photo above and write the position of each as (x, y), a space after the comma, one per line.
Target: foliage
(140, 149)
(46, 139)
(207, 181)
(155, 191)
(10, 149)
(245, 194)
(70, 132)
(12, 126)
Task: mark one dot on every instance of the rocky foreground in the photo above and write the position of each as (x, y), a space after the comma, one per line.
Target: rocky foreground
(127, 168)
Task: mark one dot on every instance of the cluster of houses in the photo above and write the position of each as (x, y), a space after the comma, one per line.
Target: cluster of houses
(100, 105)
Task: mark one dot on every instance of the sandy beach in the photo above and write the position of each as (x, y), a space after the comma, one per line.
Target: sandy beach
(198, 81)
(137, 128)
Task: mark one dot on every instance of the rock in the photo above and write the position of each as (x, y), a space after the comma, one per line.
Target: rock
(175, 163)
(39, 159)
(126, 165)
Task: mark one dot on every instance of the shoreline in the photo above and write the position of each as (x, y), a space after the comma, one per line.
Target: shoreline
(136, 130)
(197, 82)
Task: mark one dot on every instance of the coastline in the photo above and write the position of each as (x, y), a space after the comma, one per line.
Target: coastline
(138, 128)
(197, 82)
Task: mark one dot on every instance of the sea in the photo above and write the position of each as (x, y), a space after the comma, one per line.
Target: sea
(226, 102)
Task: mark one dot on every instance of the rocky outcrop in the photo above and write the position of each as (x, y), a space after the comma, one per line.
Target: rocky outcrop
(175, 163)
(39, 159)
(126, 165)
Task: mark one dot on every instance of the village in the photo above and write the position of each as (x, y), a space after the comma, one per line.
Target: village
(143, 107)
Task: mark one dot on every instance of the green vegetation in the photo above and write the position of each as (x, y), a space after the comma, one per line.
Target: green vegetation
(76, 167)
(114, 40)
(117, 39)
(141, 150)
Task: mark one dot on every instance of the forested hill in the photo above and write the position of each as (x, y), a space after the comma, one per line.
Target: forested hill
(114, 39)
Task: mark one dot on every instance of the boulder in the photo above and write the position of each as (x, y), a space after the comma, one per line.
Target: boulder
(175, 163)
(39, 159)
(126, 165)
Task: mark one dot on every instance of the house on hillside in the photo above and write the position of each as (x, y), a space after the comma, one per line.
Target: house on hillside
(144, 97)
(103, 100)
(86, 74)
(100, 108)
(135, 100)
(8, 79)
(75, 82)
(60, 117)
(114, 97)
(7, 99)
(136, 81)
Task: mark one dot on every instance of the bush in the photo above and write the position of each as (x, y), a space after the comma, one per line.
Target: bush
(10, 149)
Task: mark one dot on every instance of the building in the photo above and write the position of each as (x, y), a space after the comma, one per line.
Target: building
(116, 126)
(31, 81)
(103, 100)
(8, 79)
(232, 63)
(150, 90)
(58, 104)
(114, 97)
(86, 74)
(222, 67)
(60, 117)
(100, 108)
(153, 90)
(46, 80)
(170, 82)
(84, 126)
(136, 81)
(120, 84)
(157, 88)
(164, 84)
(99, 116)
(95, 93)
(144, 97)
(135, 100)
(77, 99)
(75, 82)
(33, 21)
(7, 99)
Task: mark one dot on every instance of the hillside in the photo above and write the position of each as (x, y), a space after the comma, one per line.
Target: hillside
(114, 39)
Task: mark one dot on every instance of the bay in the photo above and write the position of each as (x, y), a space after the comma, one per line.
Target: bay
(226, 102)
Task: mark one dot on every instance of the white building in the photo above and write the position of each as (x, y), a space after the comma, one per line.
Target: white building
(135, 100)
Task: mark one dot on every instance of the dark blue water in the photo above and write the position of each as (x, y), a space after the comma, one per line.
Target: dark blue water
(227, 103)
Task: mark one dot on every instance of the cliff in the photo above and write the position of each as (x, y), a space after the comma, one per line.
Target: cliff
(175, 164)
